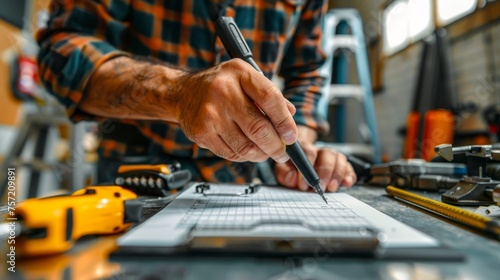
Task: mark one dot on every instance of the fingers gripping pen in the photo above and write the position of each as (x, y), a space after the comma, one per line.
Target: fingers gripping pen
(236, 46)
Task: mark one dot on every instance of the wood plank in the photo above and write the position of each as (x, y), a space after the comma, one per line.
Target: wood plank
(9, 106)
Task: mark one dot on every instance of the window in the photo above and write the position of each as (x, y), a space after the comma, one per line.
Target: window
(406, 21)
(420, 18)
(395, 26)
(451, 10)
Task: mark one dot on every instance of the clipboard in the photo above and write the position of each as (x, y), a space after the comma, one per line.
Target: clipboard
(271, 221)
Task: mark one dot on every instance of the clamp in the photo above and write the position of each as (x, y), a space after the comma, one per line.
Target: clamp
(475, 188)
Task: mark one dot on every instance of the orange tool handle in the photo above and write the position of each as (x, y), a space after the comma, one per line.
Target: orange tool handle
(438, 129)
(412, 127)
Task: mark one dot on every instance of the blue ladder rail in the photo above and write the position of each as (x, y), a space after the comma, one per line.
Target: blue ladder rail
(356, 43)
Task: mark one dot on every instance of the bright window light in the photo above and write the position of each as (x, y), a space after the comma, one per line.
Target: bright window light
(406, 21)
(451, 10)
(395, 26)
(420, 19)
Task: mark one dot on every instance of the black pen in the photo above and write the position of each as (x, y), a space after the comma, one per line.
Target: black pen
(236, 46)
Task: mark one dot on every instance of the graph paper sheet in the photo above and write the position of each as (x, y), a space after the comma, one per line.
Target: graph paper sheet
(273, 208)
(226, 210)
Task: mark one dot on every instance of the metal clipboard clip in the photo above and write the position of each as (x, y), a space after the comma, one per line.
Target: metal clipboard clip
(204, 188)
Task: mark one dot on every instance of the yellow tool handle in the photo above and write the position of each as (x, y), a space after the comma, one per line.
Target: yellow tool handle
(51, 225)
(455, 213)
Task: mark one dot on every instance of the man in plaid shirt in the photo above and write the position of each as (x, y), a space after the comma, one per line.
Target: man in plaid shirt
(158, 67)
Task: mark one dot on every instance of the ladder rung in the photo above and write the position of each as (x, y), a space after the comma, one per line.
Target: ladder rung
(35, 164)
(346, 91)
(344, 41)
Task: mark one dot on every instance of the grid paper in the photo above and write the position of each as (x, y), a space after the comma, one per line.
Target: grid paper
(227, 208)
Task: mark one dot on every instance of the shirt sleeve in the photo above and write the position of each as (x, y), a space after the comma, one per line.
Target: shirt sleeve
(300, 64)
(79, 37)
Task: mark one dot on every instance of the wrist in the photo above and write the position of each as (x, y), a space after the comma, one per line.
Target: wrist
(169, 92)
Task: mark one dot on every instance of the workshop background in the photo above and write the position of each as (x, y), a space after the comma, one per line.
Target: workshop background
(395, 34)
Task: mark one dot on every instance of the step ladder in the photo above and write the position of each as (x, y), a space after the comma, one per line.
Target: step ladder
(337, 93)
(36, 128)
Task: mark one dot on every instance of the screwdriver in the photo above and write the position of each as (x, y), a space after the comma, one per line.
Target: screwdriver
(236, 46)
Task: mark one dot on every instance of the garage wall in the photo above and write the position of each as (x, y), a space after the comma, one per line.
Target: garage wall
(475, 59)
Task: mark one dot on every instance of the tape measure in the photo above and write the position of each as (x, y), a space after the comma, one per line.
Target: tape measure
(449, 211)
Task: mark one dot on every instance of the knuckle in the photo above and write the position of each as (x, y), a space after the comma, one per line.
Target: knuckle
(246, 149)
(271, 97)
(283, 123)
(277, 152)
(241, 148)
(260, 130)
(237, 63)
(234, 65)
(341, 157)
(340, 171)
(233, 157)
(225, 153)
(272, 91)
(325, 170)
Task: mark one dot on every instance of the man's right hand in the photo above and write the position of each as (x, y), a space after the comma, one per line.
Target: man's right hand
(215, 109)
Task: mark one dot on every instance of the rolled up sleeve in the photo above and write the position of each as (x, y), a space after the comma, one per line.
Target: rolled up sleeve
(300, 65)
(79, 37)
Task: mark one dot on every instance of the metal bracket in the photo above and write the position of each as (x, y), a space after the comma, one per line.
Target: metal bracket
(203, 188)
(477, 156)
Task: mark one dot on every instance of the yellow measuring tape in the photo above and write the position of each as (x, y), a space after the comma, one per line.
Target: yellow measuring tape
(452, 212)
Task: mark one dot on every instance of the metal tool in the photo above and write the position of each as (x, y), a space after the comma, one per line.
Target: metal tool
(236, 46)
(156, 180)
(245, 190)
(471, 191)
(477, 156)
(475, 188)
(417, 174)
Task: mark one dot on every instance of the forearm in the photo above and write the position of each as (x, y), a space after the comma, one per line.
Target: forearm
(129, 88)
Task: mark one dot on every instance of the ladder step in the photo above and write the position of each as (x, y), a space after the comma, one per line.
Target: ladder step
(34, 164)
(344, 41)
(346, 91)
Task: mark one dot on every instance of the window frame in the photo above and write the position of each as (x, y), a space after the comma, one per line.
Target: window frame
(410, 40)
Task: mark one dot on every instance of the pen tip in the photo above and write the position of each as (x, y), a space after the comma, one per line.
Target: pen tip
(319, 190)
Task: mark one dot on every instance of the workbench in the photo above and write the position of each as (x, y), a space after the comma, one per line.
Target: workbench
(89, 259)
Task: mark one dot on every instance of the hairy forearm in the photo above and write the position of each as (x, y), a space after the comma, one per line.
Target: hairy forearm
(130, 88)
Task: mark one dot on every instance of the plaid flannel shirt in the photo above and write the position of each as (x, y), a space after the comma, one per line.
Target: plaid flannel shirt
(81, 35)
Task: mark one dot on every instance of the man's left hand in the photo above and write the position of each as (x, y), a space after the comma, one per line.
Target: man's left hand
(332, 167)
